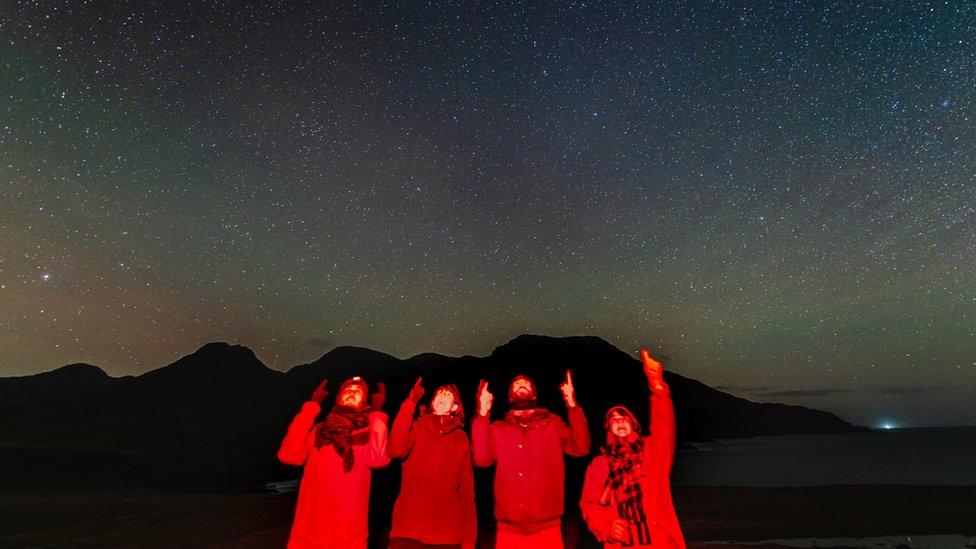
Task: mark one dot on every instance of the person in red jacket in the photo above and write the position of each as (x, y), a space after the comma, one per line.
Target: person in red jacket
(436, 504)
(626, 500)
(527, 448)
(338, 454)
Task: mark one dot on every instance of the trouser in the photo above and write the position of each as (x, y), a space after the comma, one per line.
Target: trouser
(550, 538)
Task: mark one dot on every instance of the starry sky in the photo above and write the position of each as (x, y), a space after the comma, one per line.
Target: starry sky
(779, 195)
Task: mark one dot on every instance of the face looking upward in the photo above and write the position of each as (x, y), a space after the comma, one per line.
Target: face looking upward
(443, 402)
(620, 425)
(522, 388)
(352, 396)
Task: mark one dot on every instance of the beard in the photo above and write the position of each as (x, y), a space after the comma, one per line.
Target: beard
(525, 401)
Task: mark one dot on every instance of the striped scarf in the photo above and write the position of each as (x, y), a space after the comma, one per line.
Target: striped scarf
(625, 460)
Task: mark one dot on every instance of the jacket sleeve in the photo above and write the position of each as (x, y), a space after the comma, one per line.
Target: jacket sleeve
(401, 436)
(482, 442)
(375, 455)
(662, 429)
(577, 442)
(466, 490)
(298, 440)
(599, 516)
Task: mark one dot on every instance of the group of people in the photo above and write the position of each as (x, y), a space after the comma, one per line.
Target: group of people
(626, 499)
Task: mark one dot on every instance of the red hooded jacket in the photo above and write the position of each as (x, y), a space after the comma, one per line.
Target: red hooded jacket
(333, 506)
(436, 502)
(530, 468)
(598, 503)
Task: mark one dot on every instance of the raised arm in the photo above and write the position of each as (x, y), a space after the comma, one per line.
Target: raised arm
(482, 443)
(577, 442)
(662, 413)
(401, 438)
(298, 440)
(375, 455)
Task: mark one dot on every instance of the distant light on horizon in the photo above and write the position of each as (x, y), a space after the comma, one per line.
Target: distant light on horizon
(886, 425)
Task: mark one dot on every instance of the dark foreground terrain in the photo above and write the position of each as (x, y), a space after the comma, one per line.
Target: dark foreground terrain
(161, 519)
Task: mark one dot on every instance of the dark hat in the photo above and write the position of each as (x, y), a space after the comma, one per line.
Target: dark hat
(622, 410)
(356, 380)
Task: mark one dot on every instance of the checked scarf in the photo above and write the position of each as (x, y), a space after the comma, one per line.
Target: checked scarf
(344, 428)
(626, 461)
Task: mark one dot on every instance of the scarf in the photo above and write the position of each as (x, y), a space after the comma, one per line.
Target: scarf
(344, 428)
(625, 461)
(536, 418)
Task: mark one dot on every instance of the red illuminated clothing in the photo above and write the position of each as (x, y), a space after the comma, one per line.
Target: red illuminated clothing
(598, 501)
(436, 502)
(548, 538)
(529, 462)
(333, 505)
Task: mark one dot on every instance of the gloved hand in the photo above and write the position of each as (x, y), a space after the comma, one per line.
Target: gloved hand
(378, 399)
(417, 391)
(319, 394)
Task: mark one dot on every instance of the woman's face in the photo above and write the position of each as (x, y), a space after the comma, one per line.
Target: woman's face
(620, 425)
(443, 402)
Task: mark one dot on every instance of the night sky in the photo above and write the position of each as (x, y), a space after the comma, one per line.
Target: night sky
(779, 195)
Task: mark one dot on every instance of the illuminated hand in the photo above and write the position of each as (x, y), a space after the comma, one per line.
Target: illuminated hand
(619, 531)
(319, 394)
(417, 391)
(569, 393)
(378, 399)
(485, 398)
(654, 371)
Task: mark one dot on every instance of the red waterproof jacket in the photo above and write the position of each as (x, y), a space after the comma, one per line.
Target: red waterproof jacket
(598, 503)
(530, 469)
(333, 506)
(436, 502)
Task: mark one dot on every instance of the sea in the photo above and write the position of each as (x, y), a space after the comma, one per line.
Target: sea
(943, 456)
(939, 456)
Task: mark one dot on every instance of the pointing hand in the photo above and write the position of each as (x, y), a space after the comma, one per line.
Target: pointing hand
(319, 394)
(569, 393)
(654, 371)
(377, 399)
(417, 391)
(485, 398)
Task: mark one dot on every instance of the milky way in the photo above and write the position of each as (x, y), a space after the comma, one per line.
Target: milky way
(779, 196)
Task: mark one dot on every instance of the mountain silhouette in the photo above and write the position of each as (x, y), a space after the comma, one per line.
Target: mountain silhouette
(233, 376)
(49, 386)
(216, 371)
(212, 420)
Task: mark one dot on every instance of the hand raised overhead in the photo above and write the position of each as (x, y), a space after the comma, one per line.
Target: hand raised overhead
(569, 392)
(319, 394)
(378, 399)
(654, 371)
(417, 391)
(485, 398)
